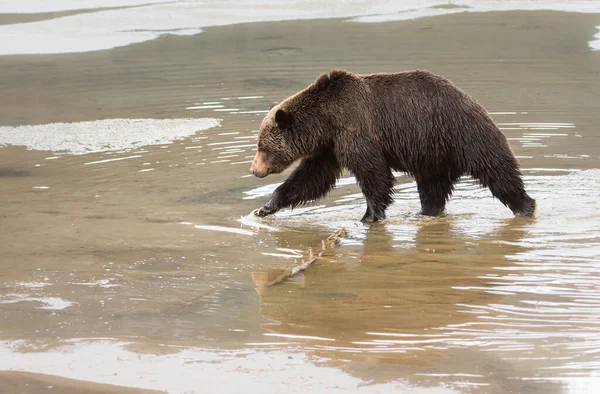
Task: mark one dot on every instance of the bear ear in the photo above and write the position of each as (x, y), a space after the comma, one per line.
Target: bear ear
(282, 118)
(273, 104)
(325, 79)
(322, 81)
(336, 73)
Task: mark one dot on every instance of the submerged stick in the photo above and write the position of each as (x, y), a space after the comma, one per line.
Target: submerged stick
(328, 243)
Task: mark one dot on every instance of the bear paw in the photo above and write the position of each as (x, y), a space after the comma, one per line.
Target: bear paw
(264, 211)
(370, 217)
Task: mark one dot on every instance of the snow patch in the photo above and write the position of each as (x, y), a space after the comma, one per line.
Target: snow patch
(111, 28)
(102, 135)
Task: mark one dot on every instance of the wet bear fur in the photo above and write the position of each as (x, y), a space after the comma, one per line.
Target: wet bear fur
(414, 122)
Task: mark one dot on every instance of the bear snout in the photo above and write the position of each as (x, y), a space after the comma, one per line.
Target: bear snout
(259, 167)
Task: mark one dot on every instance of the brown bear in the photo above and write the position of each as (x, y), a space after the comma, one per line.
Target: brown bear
(413, 122)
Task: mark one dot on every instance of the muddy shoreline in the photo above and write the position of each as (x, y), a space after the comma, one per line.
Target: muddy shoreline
(28, 383)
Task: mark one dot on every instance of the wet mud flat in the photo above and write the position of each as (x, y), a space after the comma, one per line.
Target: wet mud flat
(22, 382)
(139, 261)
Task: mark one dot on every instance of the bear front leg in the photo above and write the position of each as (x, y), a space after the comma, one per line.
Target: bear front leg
(377, 186)
(311, 180)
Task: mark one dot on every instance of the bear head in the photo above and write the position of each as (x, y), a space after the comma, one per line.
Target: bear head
(275, 152)
(295, 128)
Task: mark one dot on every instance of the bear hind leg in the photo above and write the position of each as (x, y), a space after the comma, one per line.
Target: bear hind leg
(515, 198)
(434, 192)
(507, 186)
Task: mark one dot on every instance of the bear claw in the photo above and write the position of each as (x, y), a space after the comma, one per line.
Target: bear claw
(264, 211)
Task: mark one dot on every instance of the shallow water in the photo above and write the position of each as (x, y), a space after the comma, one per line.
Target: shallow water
(141, 265)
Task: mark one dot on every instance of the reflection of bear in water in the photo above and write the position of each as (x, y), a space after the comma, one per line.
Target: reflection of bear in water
(413, 122)
(424, 281)
(410, 306)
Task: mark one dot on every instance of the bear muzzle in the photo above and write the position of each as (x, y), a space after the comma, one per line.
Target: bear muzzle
(259, 167)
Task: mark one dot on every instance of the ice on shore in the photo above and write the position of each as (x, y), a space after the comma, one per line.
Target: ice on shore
(102, 135)
(138, 20)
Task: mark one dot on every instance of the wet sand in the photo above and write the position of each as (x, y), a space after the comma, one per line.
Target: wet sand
(148, 251)
(26, 383)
